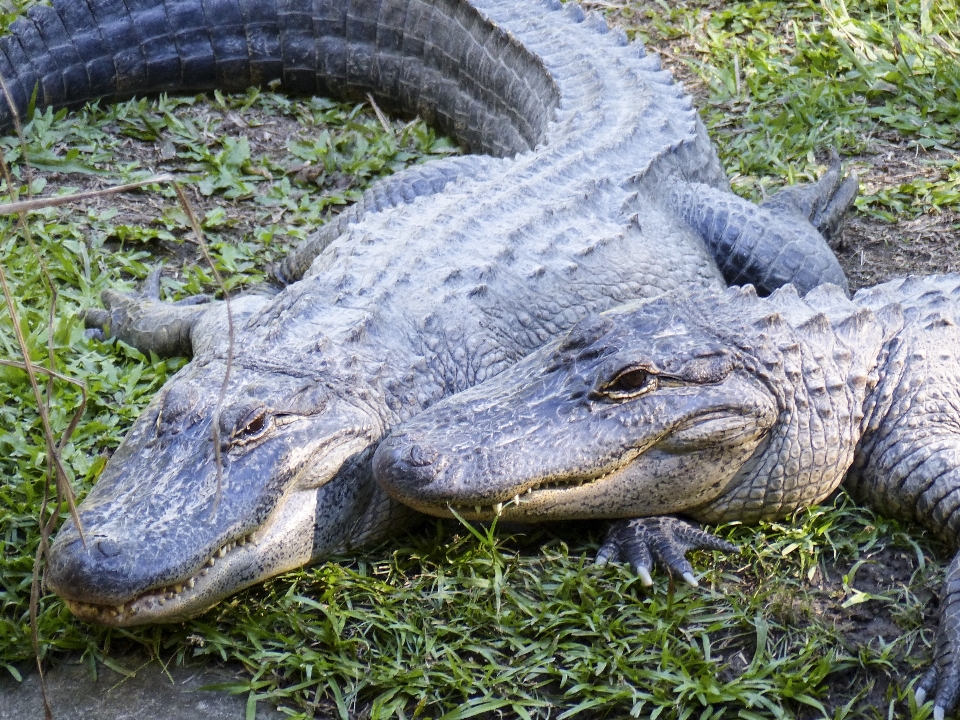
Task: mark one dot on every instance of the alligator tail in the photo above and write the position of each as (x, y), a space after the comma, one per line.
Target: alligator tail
(409, 53)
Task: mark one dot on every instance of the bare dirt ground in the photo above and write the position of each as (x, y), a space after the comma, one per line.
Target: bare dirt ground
(145, 689)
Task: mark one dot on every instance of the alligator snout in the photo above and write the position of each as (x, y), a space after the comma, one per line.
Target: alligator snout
(400, 463)
(98, 572)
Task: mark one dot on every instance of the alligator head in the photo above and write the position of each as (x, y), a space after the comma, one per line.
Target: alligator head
(167, 534)
(675, 405)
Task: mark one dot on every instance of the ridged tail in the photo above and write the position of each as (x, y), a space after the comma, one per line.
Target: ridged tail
(441, 60)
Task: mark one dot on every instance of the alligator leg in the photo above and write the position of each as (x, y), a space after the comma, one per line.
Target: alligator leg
(943, 678)
(921, 479)
(824, 204)
(145, 322)
(780, 242)
(147, 325)
(908, 466)
(665, 539)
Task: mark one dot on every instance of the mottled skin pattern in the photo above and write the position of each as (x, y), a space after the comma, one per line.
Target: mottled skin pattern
(720, 406)
(599, 186)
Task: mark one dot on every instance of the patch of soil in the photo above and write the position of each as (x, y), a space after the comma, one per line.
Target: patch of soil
(268, 134)
(875, 624)
(873, 250)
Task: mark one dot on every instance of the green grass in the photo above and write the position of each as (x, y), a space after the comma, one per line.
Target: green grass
(785, 80)
(447, 622)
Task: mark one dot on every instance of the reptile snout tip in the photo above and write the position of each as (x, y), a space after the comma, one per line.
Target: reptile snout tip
(92, 572)
(402, 463)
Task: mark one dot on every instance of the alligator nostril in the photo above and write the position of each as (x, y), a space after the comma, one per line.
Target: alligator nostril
(108, 548)
(399, 466)
(417, 456)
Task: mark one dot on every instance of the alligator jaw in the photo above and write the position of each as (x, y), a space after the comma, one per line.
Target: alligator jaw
(647, 479)
(284, 544)
(167, 536)
(169, 603)
(547, 491)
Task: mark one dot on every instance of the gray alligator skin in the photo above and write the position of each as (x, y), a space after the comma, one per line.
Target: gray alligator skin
(718, 406)
(599, 186)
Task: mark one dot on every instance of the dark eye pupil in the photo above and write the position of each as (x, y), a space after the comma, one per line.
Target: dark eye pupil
(631, 380)
(255, 425)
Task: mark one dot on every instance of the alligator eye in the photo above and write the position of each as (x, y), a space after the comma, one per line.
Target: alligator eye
(251, 426)
(629, 384)
(255, 425)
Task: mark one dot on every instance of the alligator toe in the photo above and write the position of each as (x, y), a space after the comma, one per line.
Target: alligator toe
(664, 540)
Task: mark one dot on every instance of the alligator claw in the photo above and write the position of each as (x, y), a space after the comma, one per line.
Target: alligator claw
(942, 680)
(666, 540)
(151, 284)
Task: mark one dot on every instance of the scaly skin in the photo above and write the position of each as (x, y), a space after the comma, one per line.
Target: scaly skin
(599, 186)
(724, 406)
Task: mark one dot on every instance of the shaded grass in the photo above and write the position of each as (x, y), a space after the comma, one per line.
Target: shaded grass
(829, 614)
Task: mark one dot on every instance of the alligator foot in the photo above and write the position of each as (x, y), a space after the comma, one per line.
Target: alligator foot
(144, 321)
(664, 539)
(824, 203)
(942, 681)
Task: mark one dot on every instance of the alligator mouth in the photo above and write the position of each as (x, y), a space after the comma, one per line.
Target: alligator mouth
(532, 494)
(171, 602)
(284, 540)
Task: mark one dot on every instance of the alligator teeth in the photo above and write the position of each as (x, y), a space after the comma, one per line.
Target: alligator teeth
(177, 589)
(205, 572)
(221, 552)
(211, 562)
(497, 509)
(478, 509)
(191, 582)
(162, 600)
(516, 499)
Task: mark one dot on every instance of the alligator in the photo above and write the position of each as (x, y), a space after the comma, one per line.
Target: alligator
(716, 405)
(594, 183)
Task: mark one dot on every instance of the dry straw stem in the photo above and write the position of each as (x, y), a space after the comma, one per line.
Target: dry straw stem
(39, 203)
(198, 232)
(380, 116)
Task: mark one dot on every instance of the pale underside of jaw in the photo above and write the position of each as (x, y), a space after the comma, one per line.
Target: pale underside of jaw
(283, 544)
